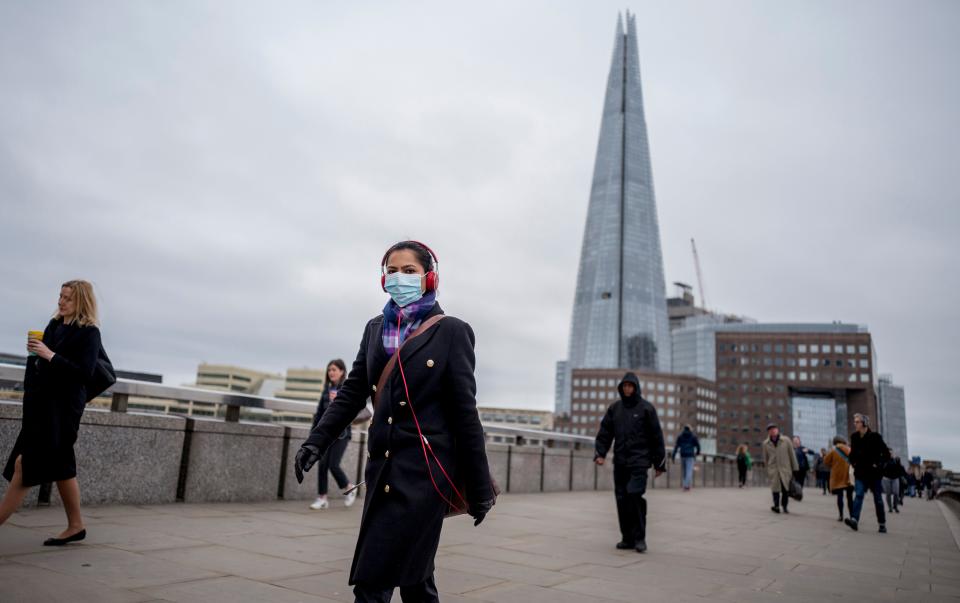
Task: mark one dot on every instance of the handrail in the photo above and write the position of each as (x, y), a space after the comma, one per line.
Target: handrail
(124, 388)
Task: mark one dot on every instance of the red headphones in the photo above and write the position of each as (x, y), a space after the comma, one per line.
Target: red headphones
(431, 278)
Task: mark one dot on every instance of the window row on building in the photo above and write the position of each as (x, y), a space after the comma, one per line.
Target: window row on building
(795, 348)
(796, 376)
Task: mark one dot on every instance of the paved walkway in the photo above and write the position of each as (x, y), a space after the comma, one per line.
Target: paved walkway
(711, 544)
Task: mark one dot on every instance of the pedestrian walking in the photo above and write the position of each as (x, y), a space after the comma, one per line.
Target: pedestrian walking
(689, 447)
(803, 462)
(418, 364)
(781, 462)
(926, 483)
(632, 427)
(60, 377)
(892, 472)
(841, 485)
(868, 455)
(821, 471)
(330, 462)
(744, 463)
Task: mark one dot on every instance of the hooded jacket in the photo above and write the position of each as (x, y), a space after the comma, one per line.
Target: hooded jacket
(632, 426)
(687, 444)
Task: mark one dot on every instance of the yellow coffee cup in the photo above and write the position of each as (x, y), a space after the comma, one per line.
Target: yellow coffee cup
(38, 335)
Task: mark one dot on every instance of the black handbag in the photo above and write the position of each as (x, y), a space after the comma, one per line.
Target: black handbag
(103, 376)
(796, 490)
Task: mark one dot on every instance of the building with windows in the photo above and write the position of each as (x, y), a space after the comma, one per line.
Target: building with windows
(620, 310)
(523, 418)
(224, 377)
(893, 415)
(304, 384)
(679, 399)
(792, 375)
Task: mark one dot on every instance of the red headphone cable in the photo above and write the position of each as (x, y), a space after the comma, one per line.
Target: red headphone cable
(424, 443)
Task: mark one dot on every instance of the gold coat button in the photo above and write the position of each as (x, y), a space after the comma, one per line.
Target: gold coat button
(386, 488)
(368, 456)
(373, 387)
(403, 402)
(430, 363)
(389, 420)
(386, 454)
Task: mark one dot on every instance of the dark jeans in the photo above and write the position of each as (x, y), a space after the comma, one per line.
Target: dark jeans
(840, 492)
(861, 489)
(742, 472)
(781, 497)
(801, 477)
(425, 592)
(331, 462)
(629, 486)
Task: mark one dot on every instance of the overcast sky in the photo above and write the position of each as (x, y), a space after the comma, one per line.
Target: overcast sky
(228, 175)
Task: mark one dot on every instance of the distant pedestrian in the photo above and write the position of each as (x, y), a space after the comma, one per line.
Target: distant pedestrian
(632, 426)
(744, 463)
(821, 471)
(911, 485)
(892, 472)
(781, 462)
(330, 462)
(689, 447)
(803, 462)
(926, 483)
(838, 462)
(57, 385)
(868, 454)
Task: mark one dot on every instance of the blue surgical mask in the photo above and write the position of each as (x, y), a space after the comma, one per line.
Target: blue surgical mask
(404, 288)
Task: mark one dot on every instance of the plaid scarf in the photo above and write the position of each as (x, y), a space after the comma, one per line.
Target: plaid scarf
(412, 316)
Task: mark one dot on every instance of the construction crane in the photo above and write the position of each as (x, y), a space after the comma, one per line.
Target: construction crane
(696, 263)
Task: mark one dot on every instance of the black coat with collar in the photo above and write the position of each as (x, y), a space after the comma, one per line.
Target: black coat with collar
(402, 512)
(54, 396)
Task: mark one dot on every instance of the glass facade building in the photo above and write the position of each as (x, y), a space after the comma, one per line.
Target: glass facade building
(620, 310)
(814, 421)
(893, 416)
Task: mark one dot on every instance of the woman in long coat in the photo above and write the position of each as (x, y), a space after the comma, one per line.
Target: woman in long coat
(781, 462)
(426, 453)
(54, 395)
(838, 462)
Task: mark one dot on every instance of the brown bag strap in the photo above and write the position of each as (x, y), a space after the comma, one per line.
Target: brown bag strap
(388, 368)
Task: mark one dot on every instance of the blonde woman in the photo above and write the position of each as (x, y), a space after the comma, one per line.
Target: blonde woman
(55, 383)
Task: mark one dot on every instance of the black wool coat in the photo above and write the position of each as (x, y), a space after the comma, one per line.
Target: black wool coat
(54, 396)
(868, 454)
(402, 512)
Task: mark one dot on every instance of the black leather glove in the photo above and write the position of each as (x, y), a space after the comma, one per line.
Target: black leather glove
(479, 510)
(307, 456)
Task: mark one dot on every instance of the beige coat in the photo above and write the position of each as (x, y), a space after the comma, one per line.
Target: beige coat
(781, 462)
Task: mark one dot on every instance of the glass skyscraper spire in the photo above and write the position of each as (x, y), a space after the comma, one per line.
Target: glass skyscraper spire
(620, 310)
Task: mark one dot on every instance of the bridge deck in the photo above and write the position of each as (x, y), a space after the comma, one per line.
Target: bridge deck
(710, 544)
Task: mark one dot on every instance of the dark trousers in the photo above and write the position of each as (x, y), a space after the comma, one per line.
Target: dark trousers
(425, 592)
(742, 471)
(629, 486)
(801, 477)
(782, 497)
(861, 490)
(331, 462)
(840, 492)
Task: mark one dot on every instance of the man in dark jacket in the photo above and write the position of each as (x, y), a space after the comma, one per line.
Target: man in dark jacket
(689, 447)
(631, 424)
(868, 455)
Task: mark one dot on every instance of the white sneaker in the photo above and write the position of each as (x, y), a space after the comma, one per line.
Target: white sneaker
(320, 503)
(349, 499)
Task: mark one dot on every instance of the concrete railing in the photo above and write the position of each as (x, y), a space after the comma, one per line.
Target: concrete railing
(138, 458)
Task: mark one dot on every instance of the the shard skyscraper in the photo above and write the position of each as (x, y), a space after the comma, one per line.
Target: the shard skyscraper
(620, 311)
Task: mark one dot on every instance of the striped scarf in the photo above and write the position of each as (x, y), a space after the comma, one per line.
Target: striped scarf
(411, 317)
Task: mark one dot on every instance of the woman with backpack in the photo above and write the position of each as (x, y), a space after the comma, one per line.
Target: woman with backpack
(59, 369)
(744, 462)
(841, 482)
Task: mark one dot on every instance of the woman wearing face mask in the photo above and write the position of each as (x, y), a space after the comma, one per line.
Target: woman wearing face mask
(336, 373)
(54, 395)
(426, 452)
